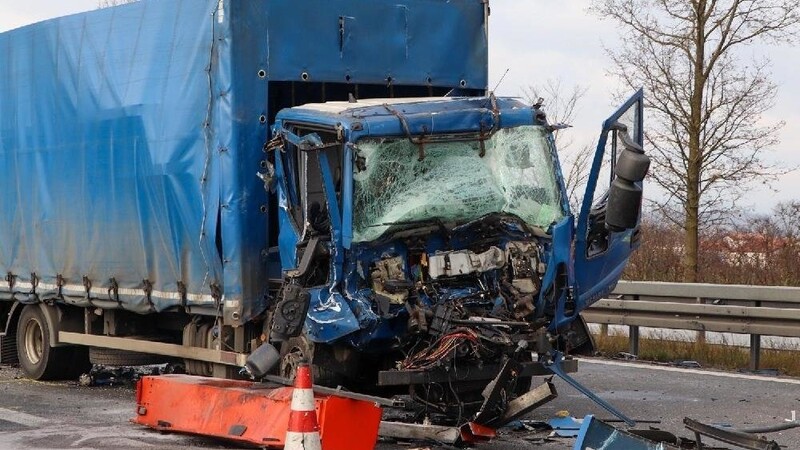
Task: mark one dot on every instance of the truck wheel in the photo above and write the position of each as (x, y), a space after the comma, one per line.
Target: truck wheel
(299, 349)
(116, 357)
(37, 358)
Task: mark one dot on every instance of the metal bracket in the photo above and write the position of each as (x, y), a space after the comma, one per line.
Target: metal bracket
(113, 291)
(557, 358)
(731, 436)
(148, 293)
(34, 282)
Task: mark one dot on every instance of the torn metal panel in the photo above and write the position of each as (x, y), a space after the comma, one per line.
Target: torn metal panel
(497, 393)
(730, 436)
(526, 403)
(595, 434)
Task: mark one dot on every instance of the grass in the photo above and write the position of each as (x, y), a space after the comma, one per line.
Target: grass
(719, 356)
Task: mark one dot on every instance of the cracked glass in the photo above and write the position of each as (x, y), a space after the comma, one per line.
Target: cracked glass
(453, 183)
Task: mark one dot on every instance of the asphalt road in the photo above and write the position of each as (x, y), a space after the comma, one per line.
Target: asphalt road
(36, 415)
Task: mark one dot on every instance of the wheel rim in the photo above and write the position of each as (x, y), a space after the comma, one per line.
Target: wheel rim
(34, 341)
(290, 362)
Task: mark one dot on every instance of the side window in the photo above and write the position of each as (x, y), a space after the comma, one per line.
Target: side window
(311, 211)
(631, 121)
(628, 123)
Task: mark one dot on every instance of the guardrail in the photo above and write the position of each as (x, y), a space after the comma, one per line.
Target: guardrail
(753, 310)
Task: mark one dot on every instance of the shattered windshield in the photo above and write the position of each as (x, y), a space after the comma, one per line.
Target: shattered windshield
(453, 183)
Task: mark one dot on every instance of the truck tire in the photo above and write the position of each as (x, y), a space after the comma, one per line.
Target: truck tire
(298, 350)
(115, 357)
(37, 358)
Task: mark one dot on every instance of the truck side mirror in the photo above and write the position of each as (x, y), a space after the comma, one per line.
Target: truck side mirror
(625, 192)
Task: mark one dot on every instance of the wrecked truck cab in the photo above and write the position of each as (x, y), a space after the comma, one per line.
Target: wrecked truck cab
(423, 242)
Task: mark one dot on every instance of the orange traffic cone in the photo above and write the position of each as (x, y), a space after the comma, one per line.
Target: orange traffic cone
(303, 432)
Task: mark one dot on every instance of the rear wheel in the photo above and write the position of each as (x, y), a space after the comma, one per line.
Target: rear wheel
(116, 357)
(38, 359)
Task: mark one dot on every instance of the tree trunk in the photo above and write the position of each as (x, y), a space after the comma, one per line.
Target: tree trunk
(691, 229)
(694, 164)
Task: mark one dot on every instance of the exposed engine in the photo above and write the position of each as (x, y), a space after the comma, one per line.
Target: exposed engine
(468, 307)
(464, 304)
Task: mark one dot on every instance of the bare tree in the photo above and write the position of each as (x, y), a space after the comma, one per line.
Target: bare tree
(704, 100)
(560, 103)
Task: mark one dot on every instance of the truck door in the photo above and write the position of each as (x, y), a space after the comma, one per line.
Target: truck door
(304, 212)
(601, 249)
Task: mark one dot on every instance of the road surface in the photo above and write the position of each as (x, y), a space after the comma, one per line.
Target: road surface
(63, 415)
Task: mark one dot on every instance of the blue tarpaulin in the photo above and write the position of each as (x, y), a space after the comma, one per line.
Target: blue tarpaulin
(130, 137)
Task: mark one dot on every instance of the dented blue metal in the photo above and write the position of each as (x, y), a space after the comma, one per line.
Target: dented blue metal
(595, 434)
(562, 294)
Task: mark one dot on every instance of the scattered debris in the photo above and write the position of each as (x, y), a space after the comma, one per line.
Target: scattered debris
(627, 356)
(733, 436)
(421, 432)
(687, 363)
(123, 375)
(565, 426)
(595, 434)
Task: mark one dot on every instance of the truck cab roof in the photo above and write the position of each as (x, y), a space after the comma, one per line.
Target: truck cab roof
(421, 115)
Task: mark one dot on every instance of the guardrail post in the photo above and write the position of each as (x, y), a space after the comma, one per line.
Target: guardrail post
(604, 330)
(755, 351)
(633, 336)
(701, 335)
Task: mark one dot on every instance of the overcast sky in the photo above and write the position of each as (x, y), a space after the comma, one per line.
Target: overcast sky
(537, 40)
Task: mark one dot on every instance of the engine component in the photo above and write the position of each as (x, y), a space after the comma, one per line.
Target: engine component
(389, 280)
(524, 260)
(441, 319)
(290, 313)
(526, 269)
(416, 319)
(461, 262)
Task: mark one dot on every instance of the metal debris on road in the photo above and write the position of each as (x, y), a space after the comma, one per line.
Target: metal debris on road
(733, 436)
(121, 376)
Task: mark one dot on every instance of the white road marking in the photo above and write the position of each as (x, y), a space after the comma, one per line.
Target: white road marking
(692, 371)
(21, 418)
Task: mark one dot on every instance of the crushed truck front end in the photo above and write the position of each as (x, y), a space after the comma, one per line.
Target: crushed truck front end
(427, 241)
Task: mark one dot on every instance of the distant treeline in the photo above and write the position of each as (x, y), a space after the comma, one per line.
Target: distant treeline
(759, 250)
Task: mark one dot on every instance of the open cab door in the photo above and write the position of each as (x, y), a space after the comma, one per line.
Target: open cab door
(608, 225)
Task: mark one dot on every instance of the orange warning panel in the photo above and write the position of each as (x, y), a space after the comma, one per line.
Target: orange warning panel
(249, 412)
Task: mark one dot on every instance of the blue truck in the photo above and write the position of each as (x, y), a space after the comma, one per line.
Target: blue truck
(196, 180)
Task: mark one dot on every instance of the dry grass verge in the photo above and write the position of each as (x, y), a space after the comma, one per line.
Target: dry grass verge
(720, 356)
